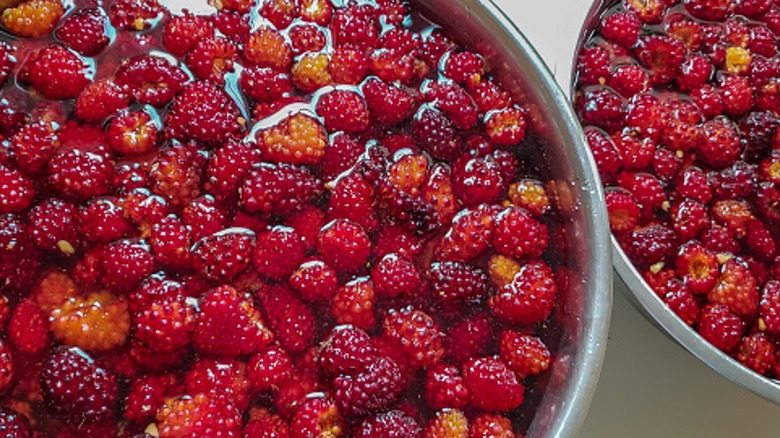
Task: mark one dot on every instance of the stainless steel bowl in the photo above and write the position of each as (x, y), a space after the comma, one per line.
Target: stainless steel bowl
(653, 308)
(586, 305)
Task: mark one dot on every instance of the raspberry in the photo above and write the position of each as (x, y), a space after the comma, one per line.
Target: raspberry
(720, 327)
(601, 107)
(517, 234)
(85, 32)
(712, 10)
(455, 281)
(348, 66)
(270, 369)
(228, 325)
(694, 73)
(134, 14)
(769, 307)
(278, 189)
(529, 298)
(77, 389)
(212, 58)
(156, 288)
(469, 235)
(80, 175)
(152, 79)
(204, 113)
(52, 226)
(224, 376)
(393, 423)
(200, 415)
(526, 355)
(124, 263)
(19, 257)
(465, 68)
(389, 105)
(623, 211)
(352, 198)
(310, 72)
(298, 139)
(223, 256)
(266, 426)
(444, 388)
(697, 267)
(370, 390)
(621, 28)
(279, 12)
(347, 350)
(736, 289)
(317, 417)
(354, 304)
(489, 96)
(344, 245)
(132, 132)
(417, 335)
(593, 66)
(604, 153)
(506, 127)
(645, 188)
(635, 153)
(447, 423)
(681, 301)
(227, 168)
(737, 94)
(15, 423)
(33, 18)
(55, 72)
(756, 352)
(28, 329)
(165, 326)
(98, 322)
(183, 32)
(7, 63)
(314, 281)
(355, 27)
(477, 180)
(306, 38)
(278, 252)
(454, 102)
(343, 110)
(693, 184)
(147, 393)
(290, 319)
(434, 132)
(265, 84)
(491, 426)
(204, 217)
(268, 48)
(393, 276)
(689, 217)
(100, 100)
(492, 385)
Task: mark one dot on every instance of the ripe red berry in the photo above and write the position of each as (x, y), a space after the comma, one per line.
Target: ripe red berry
(370, 390)
(153, 80)
(417, 334)
(223, 256)
(289, 318)
(270, 369)
(526, 355)
(278, 189)
(529, 298)
(444, 388)
(314, 281)
(56, 72)
(344, 245)
(392, 423)
(492, 385)
(720, 327)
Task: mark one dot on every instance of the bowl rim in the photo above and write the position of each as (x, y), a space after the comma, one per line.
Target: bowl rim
(581, 383)
(649, 304)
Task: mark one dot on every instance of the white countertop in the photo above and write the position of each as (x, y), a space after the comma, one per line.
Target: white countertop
(650, 387)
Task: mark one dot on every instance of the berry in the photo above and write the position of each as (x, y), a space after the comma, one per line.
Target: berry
(649, 244)
(370, 390)
(183, 32)
(153, 80)
(353, 198)
(80, 175)
(756, 352)
(165, 326)
(314, 281)
(455, 281)
(517, 234)
(124, 263)
(220, 376)
(506, 127)
(391, 424)
(306, 38)
(97, 322)
(279, 12)
(28, 329)
(444, 388)
(720, 327)
(492, 385)
(134, 14)
(623, 211)
(53, 226)
(348, 66)
(469, 235)
(228, 325)
(529, 298)
(77, 389)
(393, 276)
(447, 423)
(298, 139)
(310, 73)
(621, 28)
(491, 426)
(347, 350)
(265, 84)
(434, 132)
(317, 417)
(721, 146)
(133, 132)
(55, 72)
(266, 426)
(204, 217)
(737, 289)
(602, 108)
(212, 58)
(201, 415)
(14, 423)
(354, 304)
(227, 168)
(289, 318)
(32, 18)
(205, 113)
(417, 335)
(455, 102)
(477, 180)
(344, 245)
(526, 355)
(223, 256)
(266, 47)
(270, 369)
(388, 104)
(593, 66)
(278, 189)
(343, 110)
(147, 393)
(698, 267)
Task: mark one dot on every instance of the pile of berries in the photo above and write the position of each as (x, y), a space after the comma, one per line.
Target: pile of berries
(680, 101)
(283, 218)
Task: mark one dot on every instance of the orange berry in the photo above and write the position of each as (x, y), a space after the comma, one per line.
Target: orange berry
(33, 18)
(297, 139)
(268, 48)
(310, 73)
(98, 322)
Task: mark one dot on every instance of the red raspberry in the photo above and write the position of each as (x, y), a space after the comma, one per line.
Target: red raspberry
(526, 355)
(133, 132)
(232, 24)
(84, 32)
(32, 18)
(124, 263)
(477, 180)
(389, 105)
(307, 223)
(677, 295)
(101, 99)
(444, 388)
(165, 325)
(240, 6)
(344, 245)
(737, 289)
(393, 423)
(447, 423)
(15, 423)
(602, 107)
(757, 353)
(393, 276)
(465, 68)
(315, 11)
(156, 288)
(77, 389)
(183, 32)
(28, 329)
(623, 210)
(721, 146)
(80, 175)
(297, 139)
(492, 385)
(267, 47)
(227, 168)
(228, 325)
(343, 110)
(649, 244)
(689, 217)
(199, 415)
(16, 191)
(348, 66)
(489, 96)
(645, 188)
(266, 426)
(621, 28)
(306, 38)
(394, 239)
(720, 327)
(370, 390)
(711, 10)
(354, 304)
(629, 80)
(662, 55)
(635, 153)
(55, 72)
(147, 393)
(317, 417)
(314, 281)
(469, 235)
(278, 252)
(433, 132)
(224, 376)
(205, 113)
(752, 8)
(290, 319)
(760, 241)
(517, 234)
(152, 79)
(769, 307)
(593, 66)
(605, 153)
(758, 129)
(135, 14)
(278, 189)
(279, 12)
(7, 367)
(693, 184)
(204, 217)
(417, 335)
(265, 84)
(353, 198)
(53, 226)
(491, 426)
(737, 94)
(347, 350)
(355, 26)
(223, 256)
(455, 281)
(506, 127)
(694, 73)
(698, 267)
(270, 369)
(454, 102)
(212, 58)
(529, 298)
(434, 46)
(7, 63)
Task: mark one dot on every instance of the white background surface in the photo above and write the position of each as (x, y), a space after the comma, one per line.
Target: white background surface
(649, 386)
